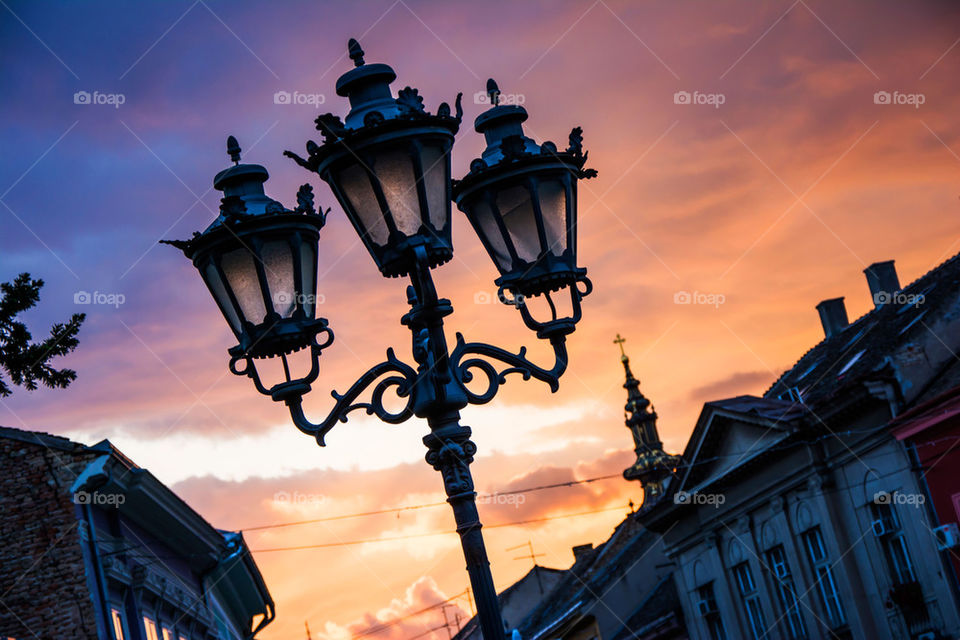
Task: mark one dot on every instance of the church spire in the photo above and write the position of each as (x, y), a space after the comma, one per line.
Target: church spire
(653, 466)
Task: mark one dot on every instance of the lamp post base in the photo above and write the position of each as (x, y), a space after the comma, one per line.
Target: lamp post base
(450, 451)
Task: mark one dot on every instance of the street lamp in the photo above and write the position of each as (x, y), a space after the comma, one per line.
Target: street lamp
(388, 164)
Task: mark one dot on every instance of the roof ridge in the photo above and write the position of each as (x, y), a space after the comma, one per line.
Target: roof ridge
(36, 437)
(872, 312)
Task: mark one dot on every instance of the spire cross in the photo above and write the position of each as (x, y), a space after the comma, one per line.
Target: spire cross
(619, 341)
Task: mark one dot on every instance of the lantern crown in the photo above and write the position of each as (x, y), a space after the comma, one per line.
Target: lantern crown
(259, 260)
(388, 164)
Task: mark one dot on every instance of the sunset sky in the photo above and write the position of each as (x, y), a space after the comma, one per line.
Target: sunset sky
(764, 205)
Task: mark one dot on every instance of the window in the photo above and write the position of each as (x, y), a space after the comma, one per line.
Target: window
(116, 618)
(793, 626)
(750, 598)
(167, 634)
(886, 526)
(707, 609)
(150, 628)
(825, 582)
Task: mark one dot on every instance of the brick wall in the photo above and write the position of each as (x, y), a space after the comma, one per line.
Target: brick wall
(43, 586)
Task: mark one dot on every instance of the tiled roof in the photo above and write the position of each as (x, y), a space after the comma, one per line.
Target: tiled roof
(592, 574)
(862, 346)
(659, 603)
(38, 437)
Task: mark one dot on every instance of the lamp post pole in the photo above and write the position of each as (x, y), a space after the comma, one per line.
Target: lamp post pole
(450, 450)
(388, 164)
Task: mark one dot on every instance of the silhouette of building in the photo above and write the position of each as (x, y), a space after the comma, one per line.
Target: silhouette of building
(800, 514)
(518, 600)
(93, 546)
(653, 466)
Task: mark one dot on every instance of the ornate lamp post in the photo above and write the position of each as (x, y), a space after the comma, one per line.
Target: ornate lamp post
(388, 164)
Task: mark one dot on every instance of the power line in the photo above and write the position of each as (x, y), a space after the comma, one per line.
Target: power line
(361, 514)
(386, 625)
(344, 543)
(571, 483)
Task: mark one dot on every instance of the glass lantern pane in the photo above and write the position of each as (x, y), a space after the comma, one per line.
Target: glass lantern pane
(241, 273)
(553, 205)
(516, 209)
(355, 184)
(436, 177)
(278, 266)
(394, 169)
(212, 277)
(308, 268)
(483, 218)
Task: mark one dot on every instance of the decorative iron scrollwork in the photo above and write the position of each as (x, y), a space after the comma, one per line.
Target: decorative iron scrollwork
(518, 363)
(403, 379)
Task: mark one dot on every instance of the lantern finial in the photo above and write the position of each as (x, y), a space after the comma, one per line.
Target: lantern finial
(356, 52)
(233, 148)
(493, 91)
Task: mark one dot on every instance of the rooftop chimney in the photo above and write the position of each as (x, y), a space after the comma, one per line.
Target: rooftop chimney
(883, 282)
(833, 316)
(581, 550)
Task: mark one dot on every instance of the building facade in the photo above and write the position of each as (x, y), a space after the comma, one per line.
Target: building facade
(93, 546)
(931, 433)
(800, 514)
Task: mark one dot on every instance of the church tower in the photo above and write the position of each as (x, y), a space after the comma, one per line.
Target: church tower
(653, 466)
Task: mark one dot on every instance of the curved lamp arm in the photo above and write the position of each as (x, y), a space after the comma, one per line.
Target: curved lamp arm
(403, 379)
(517, 362)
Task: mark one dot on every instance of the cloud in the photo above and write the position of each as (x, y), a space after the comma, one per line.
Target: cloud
(419, 613)
(741, 382)
(688, 198)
